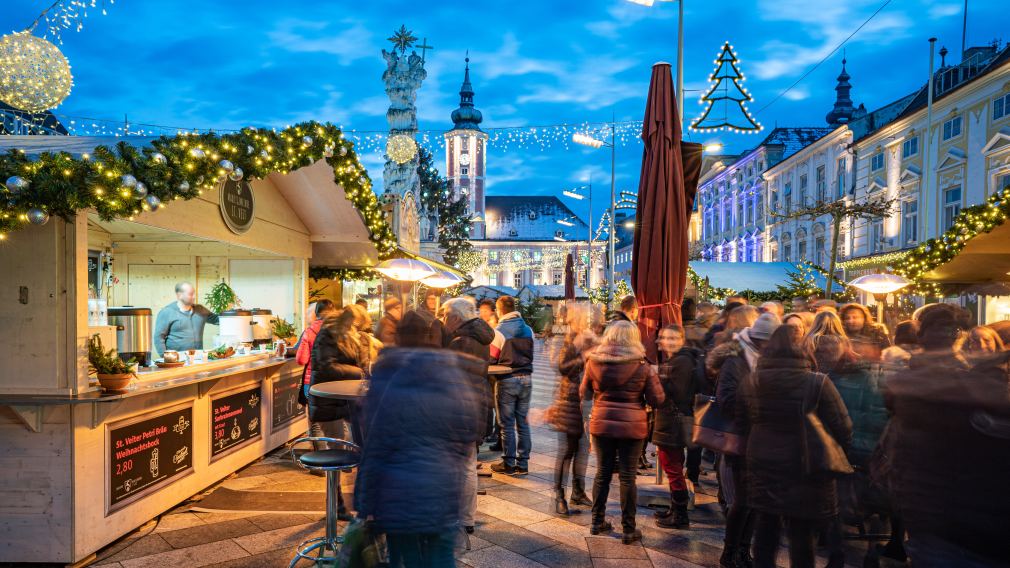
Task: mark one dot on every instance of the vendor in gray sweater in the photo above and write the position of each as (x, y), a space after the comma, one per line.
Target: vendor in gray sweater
(180, 324)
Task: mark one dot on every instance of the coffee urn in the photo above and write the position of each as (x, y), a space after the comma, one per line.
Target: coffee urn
(261, 326)
(237, 323)
(133, 333)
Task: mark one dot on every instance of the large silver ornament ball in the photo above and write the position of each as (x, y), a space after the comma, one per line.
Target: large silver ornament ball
(158, 158)
(127, 181)
(36, 75)
(226, 165)
(307, 140)
(184, 186)
(139, 190)
(197, 153)
(152, 202)
(236, 174)
(37, 216)
(17, 184)
(343, 150)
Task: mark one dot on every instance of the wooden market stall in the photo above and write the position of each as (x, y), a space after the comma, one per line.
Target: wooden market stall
(80, 468)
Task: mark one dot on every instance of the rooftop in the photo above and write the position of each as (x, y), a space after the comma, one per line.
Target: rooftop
(530, 218)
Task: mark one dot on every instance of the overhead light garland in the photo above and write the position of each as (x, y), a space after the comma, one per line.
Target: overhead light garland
(886, 259)
(120, 182)
(726, 87)
(519, 259)
(971, 222)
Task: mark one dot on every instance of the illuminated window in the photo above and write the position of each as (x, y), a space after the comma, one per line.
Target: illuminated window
(910, 147)
(910, 221)
(821, 180)
(517, 280)
(1001, 106)
(952, 128)
(951, 206)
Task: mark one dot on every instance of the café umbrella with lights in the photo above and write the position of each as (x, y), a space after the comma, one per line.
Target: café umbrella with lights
(256, 211)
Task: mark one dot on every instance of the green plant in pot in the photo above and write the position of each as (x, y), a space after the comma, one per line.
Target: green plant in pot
(221, 297)
(114, 374)
(283, 329)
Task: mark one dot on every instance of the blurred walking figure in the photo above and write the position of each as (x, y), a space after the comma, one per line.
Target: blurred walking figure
(386, 332)
(469, 334)
(736, 360)
(566, 415)
(773, 307)
(628, 310)
(781, 486)
(487, 312)
(982, 341)
(869, 339)
(803, 320)
(681, 371)
(697, 319)
(906, 344)
(619, 378)
(339, 353)
(514, 390)
(950, 448)
(323, 309)
(825, 338)
(424, 413)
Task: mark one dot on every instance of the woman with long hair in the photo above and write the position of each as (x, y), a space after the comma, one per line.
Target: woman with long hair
(982, 341)
(622, 382)
(828, 342)
(737, 320)
(566, 415)
(776, 399)
(869, 339)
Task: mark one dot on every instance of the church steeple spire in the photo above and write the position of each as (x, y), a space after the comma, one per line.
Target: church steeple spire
(841, 113)
(466, 117)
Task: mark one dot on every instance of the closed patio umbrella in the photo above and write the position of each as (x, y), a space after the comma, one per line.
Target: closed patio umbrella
(570, 278)
(666, 189)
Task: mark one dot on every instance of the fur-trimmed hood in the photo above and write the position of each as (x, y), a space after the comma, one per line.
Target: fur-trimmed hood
(718, 355)
(617, 354)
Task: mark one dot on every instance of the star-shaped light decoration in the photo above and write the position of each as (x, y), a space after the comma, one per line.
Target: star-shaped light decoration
(402, 39)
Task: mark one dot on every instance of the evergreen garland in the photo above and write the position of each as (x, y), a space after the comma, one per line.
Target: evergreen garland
(181, 167)
(454, 222)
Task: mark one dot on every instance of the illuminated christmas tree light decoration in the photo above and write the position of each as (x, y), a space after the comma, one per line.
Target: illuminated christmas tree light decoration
(401, 148)
(726, 88)
(34, 74)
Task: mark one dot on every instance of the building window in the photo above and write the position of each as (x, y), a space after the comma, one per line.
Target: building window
(513, 233)
(538, 277)
(775, 201)
(840, 175)
(559, 233)
(464, 170)
(801, 249)
(1001, 106)
(952, 128)
(517, 280)
(533, 215)
(910, 221)
(758, 209)
(910, 147)
(492, 279)
(877, 235)
(537, 255)
(750, 210)
(739, 210)
(951, 206)
(727, 216)
(820, 178)
(1002, 182)
(557, 278)
(803, 191)
(787, 252)
(819, 251)
(877, 162)
(492, 255)
(788, 201)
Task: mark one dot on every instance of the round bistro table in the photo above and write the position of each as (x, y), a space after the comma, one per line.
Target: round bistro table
(351, 391)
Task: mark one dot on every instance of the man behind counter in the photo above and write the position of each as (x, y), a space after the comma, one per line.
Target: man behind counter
(179, 326)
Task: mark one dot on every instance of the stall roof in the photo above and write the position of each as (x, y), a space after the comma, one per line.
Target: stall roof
(756, 276)
(984, 258)
(550, 292)
(337, 231)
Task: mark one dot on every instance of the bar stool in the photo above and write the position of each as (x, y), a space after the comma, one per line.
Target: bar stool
(333, 460)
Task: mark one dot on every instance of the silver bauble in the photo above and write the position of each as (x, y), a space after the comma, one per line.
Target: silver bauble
(343, 150)
(199, 180)
(184, 186)
(236, 174)
(197, 153)
(363, 180)
(264, 154)
(158, 158)
(249, 150)
(127, 181)
(37, 216)
(226, 165)
(152, 202)
(307, 140)
(328, 150)
(17, 184)
(139, 190)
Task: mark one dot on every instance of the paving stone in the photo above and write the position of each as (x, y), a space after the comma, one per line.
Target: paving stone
(562, 556)
(660, 560)
(192, 557)
(194, 536)
(271, 521)
(518, 495)
(498, 557)
(271, 559)
(562, 531)
(612, 547)
(620, 563)
(506, 511)
(287, 538)
(515, 538)
(178, 520)
(139, 547)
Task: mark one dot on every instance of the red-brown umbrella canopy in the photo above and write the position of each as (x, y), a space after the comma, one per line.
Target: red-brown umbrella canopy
(669, 180)
(570, 278)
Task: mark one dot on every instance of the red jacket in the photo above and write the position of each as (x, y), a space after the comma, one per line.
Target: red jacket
(304, 354)
(621, 382)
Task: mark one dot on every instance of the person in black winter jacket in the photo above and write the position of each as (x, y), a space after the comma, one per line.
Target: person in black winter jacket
(422, 414)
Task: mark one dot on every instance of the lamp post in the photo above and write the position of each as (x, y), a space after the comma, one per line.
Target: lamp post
(586, 140)
(680, 49)
(880, 285)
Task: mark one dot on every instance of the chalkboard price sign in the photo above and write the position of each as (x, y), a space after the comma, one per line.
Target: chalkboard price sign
(146, 453)
(235, 420)
(286, 406)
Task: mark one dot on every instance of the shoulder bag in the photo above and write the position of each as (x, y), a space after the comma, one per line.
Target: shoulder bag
(713, 430)
(822, 453)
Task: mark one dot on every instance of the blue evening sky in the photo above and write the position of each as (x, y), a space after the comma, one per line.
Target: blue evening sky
(226, 64)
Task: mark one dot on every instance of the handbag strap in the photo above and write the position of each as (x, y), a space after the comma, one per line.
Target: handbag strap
(815, 404)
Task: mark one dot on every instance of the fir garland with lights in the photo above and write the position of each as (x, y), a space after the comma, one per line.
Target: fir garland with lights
(971, 222)
(122, 181)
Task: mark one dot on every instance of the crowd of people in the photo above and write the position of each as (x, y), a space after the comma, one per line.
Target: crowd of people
(830, 423)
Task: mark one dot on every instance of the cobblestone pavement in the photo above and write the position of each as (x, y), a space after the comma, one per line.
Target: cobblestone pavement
(516, 524)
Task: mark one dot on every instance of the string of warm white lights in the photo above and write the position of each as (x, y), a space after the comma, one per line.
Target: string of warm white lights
(64, 15)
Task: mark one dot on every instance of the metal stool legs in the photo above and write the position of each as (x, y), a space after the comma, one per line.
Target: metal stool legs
(323, 549)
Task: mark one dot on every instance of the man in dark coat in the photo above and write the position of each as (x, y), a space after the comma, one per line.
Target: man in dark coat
(386, 328)
(422, 414)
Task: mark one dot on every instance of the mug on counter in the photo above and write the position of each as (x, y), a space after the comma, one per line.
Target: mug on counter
(170, 356)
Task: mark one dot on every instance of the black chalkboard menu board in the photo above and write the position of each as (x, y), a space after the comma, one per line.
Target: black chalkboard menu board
(235, 420)
(145, 453)
(286, 406)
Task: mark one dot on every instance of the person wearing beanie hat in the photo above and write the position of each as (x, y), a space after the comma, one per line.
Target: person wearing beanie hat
(743, 359)
(386, 329)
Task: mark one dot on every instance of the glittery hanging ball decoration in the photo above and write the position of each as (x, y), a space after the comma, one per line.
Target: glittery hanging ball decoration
(37, 216)
(34, 74)
(152, 202)
(184, 186)
(158, 158)
(16, 184)
(197, 153)
(307, 140)
(401, 148)
(226, 165)
(236, 174)
(139, 190)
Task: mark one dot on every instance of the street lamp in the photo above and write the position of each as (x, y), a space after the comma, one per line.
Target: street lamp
(880, 285)
(586, 140)
(566, 222)
(405, 270)
(680, 49)
(713, 147)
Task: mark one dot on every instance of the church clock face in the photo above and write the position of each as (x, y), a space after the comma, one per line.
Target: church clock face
(464, 159)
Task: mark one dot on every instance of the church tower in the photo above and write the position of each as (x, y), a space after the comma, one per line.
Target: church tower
(466, 155)
(842, 112)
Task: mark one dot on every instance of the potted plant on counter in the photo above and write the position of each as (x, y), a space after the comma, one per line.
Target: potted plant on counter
(114, 374)
(284, 330)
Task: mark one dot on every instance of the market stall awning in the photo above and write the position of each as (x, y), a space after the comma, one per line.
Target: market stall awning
(984, 258)
(754, 276)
